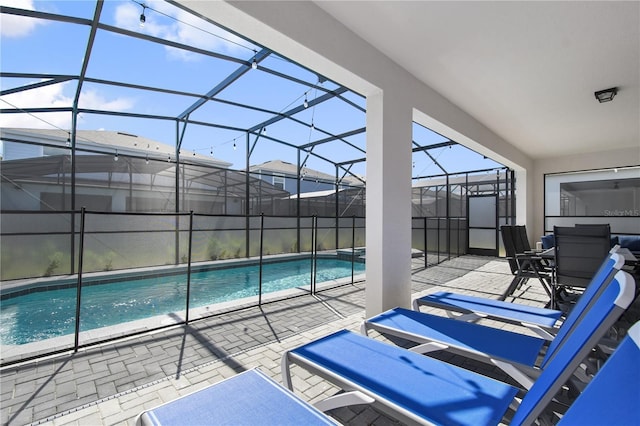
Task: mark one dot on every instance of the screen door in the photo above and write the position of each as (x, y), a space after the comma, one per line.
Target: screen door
(482, 216)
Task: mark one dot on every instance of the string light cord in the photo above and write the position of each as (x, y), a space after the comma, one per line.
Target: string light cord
(424, 169)
(141, 4)
(313, 114)
(283, 109)
(34, 116)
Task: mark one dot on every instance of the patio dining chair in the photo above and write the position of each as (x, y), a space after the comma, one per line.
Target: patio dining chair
(523, 261)
(578, 252)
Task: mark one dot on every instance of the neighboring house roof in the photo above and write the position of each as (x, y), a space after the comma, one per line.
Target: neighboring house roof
(291, 170)
(106, 141)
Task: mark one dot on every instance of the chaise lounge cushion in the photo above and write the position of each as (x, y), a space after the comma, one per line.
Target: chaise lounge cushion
(631, 242)
(548, 241)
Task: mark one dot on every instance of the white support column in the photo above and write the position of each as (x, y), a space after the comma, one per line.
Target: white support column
(389, 133)
(523, 198)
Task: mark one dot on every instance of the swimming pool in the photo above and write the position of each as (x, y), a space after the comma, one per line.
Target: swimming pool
(43, 315)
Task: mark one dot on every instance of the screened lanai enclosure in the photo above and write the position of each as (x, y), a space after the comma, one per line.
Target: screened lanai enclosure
(145, 148)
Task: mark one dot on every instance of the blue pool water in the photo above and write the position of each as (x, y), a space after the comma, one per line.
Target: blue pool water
(46, 314)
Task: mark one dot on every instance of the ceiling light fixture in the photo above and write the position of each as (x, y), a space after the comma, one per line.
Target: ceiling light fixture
(606, 95)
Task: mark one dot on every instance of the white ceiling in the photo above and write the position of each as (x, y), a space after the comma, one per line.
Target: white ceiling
(526, 70)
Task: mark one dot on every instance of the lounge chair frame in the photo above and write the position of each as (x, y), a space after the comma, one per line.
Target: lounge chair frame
(354, 363)
(542, 321)
(515, 354)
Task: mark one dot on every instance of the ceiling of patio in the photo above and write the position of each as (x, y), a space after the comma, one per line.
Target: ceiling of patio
(526, 70)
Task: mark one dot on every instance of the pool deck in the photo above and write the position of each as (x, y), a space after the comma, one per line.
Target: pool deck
(112, 383)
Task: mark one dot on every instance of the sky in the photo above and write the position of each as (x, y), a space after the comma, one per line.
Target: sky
(29, 45)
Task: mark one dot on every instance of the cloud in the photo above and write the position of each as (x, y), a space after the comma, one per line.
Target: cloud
(91, 99)
(182, 27)
(53, 96)
(18, 26)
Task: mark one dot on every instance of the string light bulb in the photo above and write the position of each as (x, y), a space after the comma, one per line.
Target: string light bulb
(146, 160)
(254, 64)
(143, 18)
(312, 126)
(234, 145)
(115, 158)
(306, 102)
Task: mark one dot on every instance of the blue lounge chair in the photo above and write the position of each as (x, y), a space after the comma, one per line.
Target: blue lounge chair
(418, 389)
(613, 396)
(252, 397)
(544, 322)
(514, 353)
(248, 398)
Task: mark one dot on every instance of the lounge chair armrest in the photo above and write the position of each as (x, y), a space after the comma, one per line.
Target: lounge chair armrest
(416, 304)
(540, 331)
(343, 400)
(470, 317)
(426, 348)
(524, 375)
